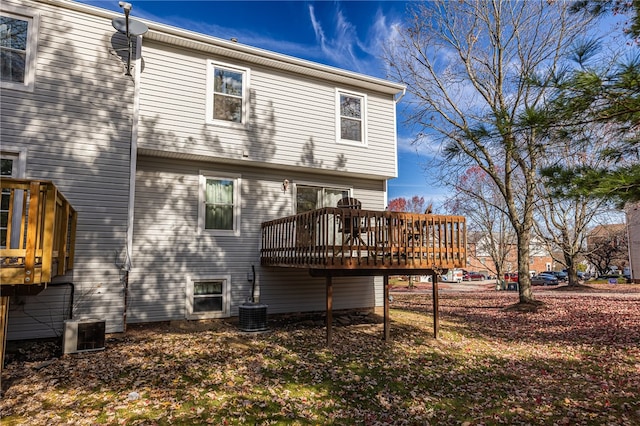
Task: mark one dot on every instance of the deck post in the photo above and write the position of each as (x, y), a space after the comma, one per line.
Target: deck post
(436, 315)
(4, 319)
(386, 308)
(329, 310)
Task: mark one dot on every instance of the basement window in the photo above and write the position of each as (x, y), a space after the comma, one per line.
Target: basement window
(208, 297)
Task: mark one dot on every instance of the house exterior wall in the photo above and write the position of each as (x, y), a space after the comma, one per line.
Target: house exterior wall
(75, 126)
(74, 129)
(168, 248)
(291, 118)
(289, 133)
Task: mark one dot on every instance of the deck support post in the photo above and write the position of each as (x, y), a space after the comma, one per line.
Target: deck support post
(4, 319)
(386, 308)
(436, 314)
(329, 310)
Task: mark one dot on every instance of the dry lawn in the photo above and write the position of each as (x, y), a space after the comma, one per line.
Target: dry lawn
(573, 361)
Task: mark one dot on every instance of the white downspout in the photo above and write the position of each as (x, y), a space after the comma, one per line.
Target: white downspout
(133, 164)
(404, 92)
(395, 133)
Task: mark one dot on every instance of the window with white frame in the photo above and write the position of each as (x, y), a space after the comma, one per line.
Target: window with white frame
(18, 33)
(227, 93)
(6, 170)
(208, 297)
(310, 197)
(219, 202)
(351, 117)
(12, 165)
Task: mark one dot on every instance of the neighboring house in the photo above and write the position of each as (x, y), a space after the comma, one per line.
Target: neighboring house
(633, 232)
(608, 248)
(479, 258)
(173, 169)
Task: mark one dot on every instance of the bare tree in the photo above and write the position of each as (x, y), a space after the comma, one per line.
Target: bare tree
(563, 222)
(478, 199)
(467, 66)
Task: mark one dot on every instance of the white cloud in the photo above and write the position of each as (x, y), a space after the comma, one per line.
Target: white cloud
(341, 45)
(339, 48)
(337, 42)
(423, 145)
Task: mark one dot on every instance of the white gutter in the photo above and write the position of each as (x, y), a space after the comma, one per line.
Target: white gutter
(133, 163)
(399, 98)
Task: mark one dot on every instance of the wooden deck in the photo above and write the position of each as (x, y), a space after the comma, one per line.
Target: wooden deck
(348, 242)
(38, 232)
(37, 240)
(338, 241)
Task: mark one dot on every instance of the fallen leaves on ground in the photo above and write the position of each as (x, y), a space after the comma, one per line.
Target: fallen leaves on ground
(575, 360)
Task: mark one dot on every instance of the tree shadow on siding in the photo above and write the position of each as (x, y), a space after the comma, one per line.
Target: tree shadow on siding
(168, 246)
(308, 157)
(76, 127)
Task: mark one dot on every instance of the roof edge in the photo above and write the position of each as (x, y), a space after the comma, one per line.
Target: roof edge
(197, 41)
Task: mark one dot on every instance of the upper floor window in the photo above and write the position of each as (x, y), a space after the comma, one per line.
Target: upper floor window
(227, 92)
(351, 114)
(219, 203)
(17, 50)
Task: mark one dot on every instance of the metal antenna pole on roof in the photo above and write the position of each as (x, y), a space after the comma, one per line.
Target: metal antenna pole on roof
(130, 28)
(127, 9)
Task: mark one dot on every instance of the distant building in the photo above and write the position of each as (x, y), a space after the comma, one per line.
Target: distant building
(633, 234)
(608, 248)
(479, 258)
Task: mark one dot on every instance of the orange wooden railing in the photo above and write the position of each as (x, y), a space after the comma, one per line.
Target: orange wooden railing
(38, 228)
(335, 238)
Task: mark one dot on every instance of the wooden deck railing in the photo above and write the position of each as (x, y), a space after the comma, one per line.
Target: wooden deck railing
(335, 238)
(37, 232)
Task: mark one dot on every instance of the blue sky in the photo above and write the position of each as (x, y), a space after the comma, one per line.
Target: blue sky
(345, 34)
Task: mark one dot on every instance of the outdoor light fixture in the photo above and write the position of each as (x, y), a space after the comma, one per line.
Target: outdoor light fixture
(285, 185)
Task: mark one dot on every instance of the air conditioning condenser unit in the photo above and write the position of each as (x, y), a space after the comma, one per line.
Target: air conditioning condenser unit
(83, 335)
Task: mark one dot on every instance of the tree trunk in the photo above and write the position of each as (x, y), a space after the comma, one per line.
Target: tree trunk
(571, 270)
(524, 279)
(499, 275)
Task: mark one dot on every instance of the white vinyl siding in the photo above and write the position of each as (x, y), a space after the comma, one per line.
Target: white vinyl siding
(168, 248)
(42, 315)
(80, 138)
(292, 119)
